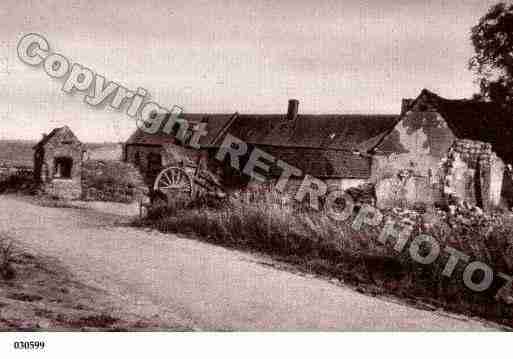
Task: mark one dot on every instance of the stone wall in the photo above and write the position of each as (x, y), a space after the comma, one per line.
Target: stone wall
(63, 144)
(406, 191)
(407, 166)
(460, 179)
(417, 144)
(474, 174)
(421, 161)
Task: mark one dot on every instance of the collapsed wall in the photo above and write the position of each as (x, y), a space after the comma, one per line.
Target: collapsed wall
(470, 172)
(473, 173)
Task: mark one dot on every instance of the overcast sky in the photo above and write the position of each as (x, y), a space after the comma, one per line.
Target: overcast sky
(343, 56)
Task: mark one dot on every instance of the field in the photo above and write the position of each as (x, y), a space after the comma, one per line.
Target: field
(20, 153)
(16, 153)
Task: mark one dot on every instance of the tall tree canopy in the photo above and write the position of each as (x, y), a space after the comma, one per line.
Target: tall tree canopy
(492, 38)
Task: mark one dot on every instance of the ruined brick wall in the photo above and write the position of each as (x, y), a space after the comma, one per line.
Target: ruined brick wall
(496, 180)
(472, 152)
(417, 144)
(473, 173)
(440, 166)
(408, 191)
(459, 181)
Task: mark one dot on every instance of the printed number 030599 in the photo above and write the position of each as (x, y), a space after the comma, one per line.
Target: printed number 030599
(29, 345)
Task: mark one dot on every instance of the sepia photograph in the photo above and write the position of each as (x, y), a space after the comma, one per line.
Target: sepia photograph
(180, 168)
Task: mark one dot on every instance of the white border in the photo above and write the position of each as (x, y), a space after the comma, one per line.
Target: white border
(260, 345)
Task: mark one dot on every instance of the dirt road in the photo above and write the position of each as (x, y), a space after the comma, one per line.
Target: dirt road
(200, 285)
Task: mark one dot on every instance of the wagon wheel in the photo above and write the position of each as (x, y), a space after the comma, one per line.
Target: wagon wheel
(174, 183)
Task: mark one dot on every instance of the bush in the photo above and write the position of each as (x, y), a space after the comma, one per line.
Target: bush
(111, 181)
(15, 183)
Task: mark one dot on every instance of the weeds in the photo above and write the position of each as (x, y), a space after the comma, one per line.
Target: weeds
(314, 242)
(112, 181)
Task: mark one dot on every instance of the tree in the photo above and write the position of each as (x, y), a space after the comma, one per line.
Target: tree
(492, 38)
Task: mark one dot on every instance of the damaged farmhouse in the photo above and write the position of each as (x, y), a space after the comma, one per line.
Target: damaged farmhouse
(443, 150)
(436, 152)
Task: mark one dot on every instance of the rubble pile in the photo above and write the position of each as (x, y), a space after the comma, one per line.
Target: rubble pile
(471, 217)
(454, 216)
(473, 172)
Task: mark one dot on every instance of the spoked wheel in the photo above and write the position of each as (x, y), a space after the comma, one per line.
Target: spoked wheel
(175, 184)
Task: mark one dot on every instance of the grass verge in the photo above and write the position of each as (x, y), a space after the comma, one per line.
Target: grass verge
(314, 243)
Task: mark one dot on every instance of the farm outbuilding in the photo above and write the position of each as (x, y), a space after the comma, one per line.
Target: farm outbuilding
(150, 153)
(331, 147)
(58, 164)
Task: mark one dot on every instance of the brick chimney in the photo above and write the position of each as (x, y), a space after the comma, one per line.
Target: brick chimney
(292, 110)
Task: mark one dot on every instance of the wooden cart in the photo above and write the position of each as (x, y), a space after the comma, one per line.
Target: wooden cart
(185, 183)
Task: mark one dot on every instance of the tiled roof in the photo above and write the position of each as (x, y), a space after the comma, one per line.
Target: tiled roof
(474, 120)
(320, 145)
(321, 163)
(214, 123)
(340, 132)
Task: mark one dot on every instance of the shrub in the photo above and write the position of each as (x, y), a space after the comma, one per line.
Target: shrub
(16, 182)
(112, 181)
